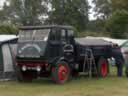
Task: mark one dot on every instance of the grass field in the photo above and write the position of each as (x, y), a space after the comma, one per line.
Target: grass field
(109, 86)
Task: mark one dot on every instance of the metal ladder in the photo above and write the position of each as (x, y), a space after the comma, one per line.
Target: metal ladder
(90, 61)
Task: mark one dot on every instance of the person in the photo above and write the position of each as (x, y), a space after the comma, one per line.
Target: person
(119, 59)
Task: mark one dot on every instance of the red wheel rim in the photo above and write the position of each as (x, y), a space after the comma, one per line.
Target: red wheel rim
(104, 68)
(63, 73)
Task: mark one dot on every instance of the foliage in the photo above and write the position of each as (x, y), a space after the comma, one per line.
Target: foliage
(119, 5)
(8, 29)
(102, 8)
(69, 12)
(96, 25)
(93, 33)
(115, 15)
(25, 12)
(117, 24)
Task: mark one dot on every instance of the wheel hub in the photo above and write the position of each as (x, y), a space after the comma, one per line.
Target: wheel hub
(62, 73)
(104, 68)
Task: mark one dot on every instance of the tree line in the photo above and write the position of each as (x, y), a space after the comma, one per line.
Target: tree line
(112, 15)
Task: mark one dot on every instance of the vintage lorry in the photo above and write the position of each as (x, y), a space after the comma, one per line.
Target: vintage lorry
(52, 51)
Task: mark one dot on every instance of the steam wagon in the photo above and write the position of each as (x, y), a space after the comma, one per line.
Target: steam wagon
(52, 51)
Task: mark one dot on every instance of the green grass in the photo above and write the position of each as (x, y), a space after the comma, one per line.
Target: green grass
(83, 86)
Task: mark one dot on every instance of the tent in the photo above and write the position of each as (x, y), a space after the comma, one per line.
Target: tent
(8, 45)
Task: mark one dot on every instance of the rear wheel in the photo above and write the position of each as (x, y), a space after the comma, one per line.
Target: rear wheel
(61, 73)
(103, 67)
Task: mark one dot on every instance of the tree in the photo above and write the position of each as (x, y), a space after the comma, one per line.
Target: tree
(102, 8)
(117, 24)
(8, 28)
(25, 12)
(69, 12)
(96, 25)
(119, 5)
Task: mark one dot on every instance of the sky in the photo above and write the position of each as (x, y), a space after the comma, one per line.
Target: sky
(1, 2)
(91, 15)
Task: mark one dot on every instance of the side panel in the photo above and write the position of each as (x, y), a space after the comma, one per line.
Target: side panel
(8, 63)
(98, 51)
(105, 51)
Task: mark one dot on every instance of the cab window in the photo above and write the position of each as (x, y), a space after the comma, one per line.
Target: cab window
(70, 33)
(55, 35)
(63, 35)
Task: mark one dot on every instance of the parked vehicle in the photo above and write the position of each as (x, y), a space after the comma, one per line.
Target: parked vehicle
(45, 51)
(124, 47)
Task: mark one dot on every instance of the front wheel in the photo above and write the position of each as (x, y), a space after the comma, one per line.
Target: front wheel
(103, 67)
(61, 73)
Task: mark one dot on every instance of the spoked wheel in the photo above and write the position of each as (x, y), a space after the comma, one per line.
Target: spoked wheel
(103, 67)
(61, 73)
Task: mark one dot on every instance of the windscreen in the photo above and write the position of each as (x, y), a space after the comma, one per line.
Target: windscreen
(34, 35)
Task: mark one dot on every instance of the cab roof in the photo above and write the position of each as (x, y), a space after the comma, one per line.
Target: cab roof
(45, 26)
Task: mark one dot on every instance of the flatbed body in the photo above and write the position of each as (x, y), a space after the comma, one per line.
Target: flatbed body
(99, 47)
